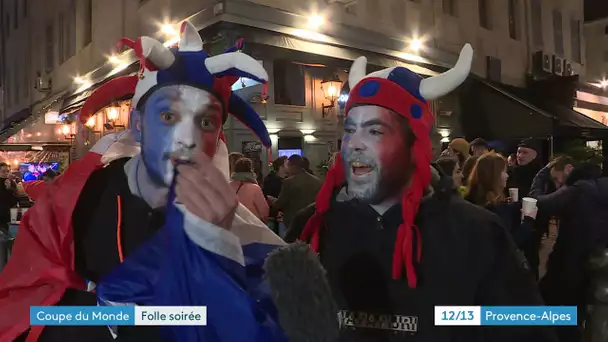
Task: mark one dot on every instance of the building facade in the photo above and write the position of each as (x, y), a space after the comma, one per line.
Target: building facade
(592, 98)
(56, 52)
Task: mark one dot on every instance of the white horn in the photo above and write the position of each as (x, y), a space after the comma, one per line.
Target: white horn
(434, 87)
(357, 71)
(236, 60)
(156, 53)
(190, 39)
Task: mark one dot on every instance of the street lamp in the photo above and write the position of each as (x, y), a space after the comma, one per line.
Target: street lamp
(331, 90)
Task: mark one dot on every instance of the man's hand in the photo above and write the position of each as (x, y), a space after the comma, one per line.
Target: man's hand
(205, 192)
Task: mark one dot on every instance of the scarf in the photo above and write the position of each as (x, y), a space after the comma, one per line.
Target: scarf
(248, 177)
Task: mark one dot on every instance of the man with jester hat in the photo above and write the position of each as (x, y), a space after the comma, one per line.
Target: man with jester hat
(160, 226)
(395, 238)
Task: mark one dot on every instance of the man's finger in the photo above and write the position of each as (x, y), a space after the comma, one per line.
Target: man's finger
(218, 198)
(214, 181)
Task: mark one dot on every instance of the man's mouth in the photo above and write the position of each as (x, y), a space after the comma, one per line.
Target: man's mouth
(361, 169)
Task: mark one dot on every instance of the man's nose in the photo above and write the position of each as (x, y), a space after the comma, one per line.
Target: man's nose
(355, 142)
(188, 146)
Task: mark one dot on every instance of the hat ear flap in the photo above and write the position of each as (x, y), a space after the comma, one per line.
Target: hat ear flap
(247, 115)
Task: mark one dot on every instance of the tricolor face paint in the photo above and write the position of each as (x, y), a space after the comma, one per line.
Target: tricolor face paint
(178, 118)
(375, 153)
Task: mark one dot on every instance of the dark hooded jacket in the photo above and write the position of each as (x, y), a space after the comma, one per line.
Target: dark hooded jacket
(581, 207)
(468, 258)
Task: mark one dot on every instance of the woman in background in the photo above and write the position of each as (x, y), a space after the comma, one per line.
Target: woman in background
(247, 190)
(232, 159)
(451, 167)
(487, 184)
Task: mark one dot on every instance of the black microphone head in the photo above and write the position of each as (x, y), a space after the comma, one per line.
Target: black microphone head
(301, 293)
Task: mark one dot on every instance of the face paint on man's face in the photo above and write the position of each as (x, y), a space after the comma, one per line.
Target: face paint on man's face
(375, 154)
(178, 118)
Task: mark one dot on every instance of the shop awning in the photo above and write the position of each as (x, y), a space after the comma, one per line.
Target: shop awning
(75, 100)
(20, 120)
(568, 122)
(278, 40)
(491, 112)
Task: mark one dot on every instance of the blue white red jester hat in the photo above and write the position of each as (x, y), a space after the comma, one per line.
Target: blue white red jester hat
(405, 93)
(186, 64)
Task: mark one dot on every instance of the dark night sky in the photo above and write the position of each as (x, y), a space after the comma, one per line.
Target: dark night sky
(596, 9)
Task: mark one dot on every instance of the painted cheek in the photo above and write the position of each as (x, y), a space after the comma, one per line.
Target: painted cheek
(209, 141)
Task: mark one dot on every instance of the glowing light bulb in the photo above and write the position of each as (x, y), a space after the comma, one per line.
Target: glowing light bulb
(112, 113)
(315, 21)
(416, 44)
(168, 29)
(65, 129)
(90, 122)
(16, 161)
(114, 59)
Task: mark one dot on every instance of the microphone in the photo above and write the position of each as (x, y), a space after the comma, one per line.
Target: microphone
(301, 293)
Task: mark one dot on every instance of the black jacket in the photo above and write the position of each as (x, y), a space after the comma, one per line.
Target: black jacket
(468, 258)
(272, 185)
(8, 199)
(521, 177)
(96, 252)
(582, 209)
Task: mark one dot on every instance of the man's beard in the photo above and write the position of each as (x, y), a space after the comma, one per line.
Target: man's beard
(371, 187)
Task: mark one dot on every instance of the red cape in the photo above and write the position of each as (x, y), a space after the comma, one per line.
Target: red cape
(41, 266)
(34, 189)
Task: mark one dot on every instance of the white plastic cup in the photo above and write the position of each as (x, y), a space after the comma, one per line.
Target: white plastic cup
(14, 212)
(528, 205)
(514, 194)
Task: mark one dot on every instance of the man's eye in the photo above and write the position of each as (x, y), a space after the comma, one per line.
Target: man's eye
(168, 117)
(349, 130)
(375, 132)
(206, 123)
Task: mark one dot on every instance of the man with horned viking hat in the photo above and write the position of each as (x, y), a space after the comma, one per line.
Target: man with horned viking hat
(156, 227)
(394, 237)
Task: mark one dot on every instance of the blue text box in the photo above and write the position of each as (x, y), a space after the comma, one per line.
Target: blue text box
(529, 315)
(82, 315)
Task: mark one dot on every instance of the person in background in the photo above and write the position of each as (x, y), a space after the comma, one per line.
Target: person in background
(450, 167)
(272, 188)
(467, 168)
(307, 165)
(521, 177)
(49, 176)
(458, 148)
(479, 147)
(576, 269)
(512, 160)
(274, 179)
(247, 190)
(232, 158)
(298, 191)
(8, 196)
(487, 185)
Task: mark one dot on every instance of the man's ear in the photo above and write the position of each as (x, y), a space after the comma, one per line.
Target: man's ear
(568, 168)
(135, 124)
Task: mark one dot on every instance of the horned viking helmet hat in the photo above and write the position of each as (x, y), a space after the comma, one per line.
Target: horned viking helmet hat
(185, 64)
(405, 93)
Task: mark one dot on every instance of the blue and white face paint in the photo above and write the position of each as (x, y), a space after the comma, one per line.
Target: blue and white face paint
(178, 118)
